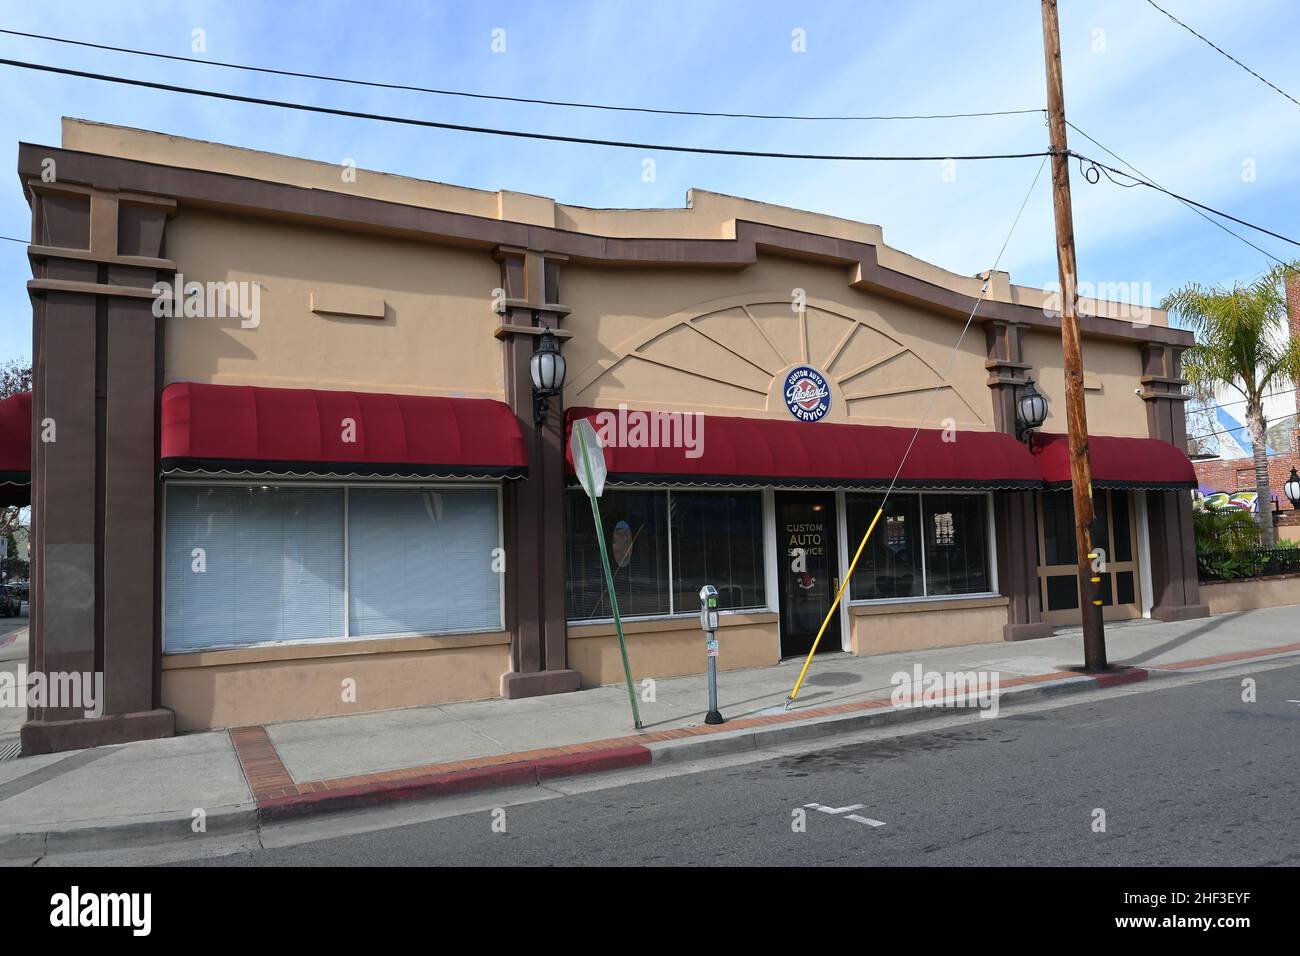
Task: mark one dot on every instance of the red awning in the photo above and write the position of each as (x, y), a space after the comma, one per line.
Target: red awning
(246, 430)
(16, 450)
(1116, 462)
(722, 450)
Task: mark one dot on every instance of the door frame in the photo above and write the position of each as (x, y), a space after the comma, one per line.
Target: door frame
(835, 551)
(1109, 612)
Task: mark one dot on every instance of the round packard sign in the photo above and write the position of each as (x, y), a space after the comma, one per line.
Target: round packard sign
(806, 394)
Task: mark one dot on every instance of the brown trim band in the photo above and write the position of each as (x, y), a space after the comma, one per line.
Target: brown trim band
(280, 200)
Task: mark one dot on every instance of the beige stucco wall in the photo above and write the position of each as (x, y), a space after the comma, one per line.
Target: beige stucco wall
(672, 648)
(435, 336)
(720, 342)
(706, 215)
(1224, 597)
(294, 682)
(911, 626)
(1113, 373)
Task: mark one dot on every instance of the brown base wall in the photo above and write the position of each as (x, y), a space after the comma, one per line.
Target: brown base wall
(885, 628)
(1225, 597)
(672, 648)
(236, 688)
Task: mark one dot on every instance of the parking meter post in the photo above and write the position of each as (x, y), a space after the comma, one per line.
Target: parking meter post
(709, 624)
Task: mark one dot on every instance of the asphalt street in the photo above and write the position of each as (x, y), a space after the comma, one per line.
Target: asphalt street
(1185, 775)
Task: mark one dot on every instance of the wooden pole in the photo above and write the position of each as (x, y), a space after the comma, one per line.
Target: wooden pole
(1094, 637)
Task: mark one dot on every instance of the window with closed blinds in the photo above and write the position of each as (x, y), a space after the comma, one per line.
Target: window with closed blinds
(421, 562)
(247, 565)
(259, 564)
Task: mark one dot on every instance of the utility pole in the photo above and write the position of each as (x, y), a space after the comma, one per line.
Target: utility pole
(1094, 637)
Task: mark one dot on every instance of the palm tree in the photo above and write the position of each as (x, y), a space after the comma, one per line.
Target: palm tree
(1243, 341)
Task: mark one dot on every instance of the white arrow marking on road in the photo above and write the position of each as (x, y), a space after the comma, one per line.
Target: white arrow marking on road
(867, 820)
(833, 810)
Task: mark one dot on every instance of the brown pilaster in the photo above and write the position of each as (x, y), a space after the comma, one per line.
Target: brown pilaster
(1174, 581)
(94, 470)
(535, 506)
(1015, 516)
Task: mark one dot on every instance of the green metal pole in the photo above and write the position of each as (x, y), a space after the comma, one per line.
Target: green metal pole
(609, 583)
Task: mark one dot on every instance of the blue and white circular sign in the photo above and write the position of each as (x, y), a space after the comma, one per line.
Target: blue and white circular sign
(806, 394)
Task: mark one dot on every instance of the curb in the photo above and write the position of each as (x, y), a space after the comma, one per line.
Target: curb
(18, 844)
(723, 743)
(522, 774)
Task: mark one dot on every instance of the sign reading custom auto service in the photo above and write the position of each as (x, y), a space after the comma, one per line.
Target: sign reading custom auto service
(806, 394)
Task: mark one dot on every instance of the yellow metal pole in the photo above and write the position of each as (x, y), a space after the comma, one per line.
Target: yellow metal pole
(829, 614)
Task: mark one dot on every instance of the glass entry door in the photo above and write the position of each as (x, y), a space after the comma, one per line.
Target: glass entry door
(808, 570)
(1114, 532)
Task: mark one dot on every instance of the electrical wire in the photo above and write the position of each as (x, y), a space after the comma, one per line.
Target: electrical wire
(1238, 401)
(1220, 49)
(622, 144)
(1151, 185)
(1189, 205)
(504, 99)
(491, 131)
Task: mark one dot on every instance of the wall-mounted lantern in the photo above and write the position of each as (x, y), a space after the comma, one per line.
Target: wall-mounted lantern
(547, 367)
(1292, 489)
(1031, 411)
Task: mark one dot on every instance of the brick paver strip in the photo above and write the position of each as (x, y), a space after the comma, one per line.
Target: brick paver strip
(258, 758)
(1225, 658)
(279, 796)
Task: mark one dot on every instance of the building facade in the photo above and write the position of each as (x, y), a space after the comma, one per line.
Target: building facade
(300, 469)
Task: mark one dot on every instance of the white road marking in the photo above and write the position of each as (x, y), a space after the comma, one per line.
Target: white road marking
(867, 820)
(836, 811)
(833, 810)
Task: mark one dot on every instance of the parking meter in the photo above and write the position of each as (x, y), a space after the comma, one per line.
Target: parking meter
(709, 624)
(709, 608)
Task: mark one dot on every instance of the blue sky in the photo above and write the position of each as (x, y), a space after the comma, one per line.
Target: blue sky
(1138, 83)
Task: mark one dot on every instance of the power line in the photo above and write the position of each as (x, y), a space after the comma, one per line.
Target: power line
(500, 98)
(622, 144)
(1228, 431)
(491, 131)
(1151, 185)
(1197, 406)
(1189, 205)
(1224, 52)
(12, 239)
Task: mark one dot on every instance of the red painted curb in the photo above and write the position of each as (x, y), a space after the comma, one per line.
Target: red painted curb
(1129, 675)
(524, 773)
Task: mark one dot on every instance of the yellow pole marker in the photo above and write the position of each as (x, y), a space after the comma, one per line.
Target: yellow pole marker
(834, 605)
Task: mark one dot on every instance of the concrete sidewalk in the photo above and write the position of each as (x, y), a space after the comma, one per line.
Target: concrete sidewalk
(154, 790)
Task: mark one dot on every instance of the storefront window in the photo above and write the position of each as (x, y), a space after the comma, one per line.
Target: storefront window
(636, 535)
(926, 544)
(421, 562)
(956, 544)
(258, 564)
(717, 538)
(713, 537)
(890, 566)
